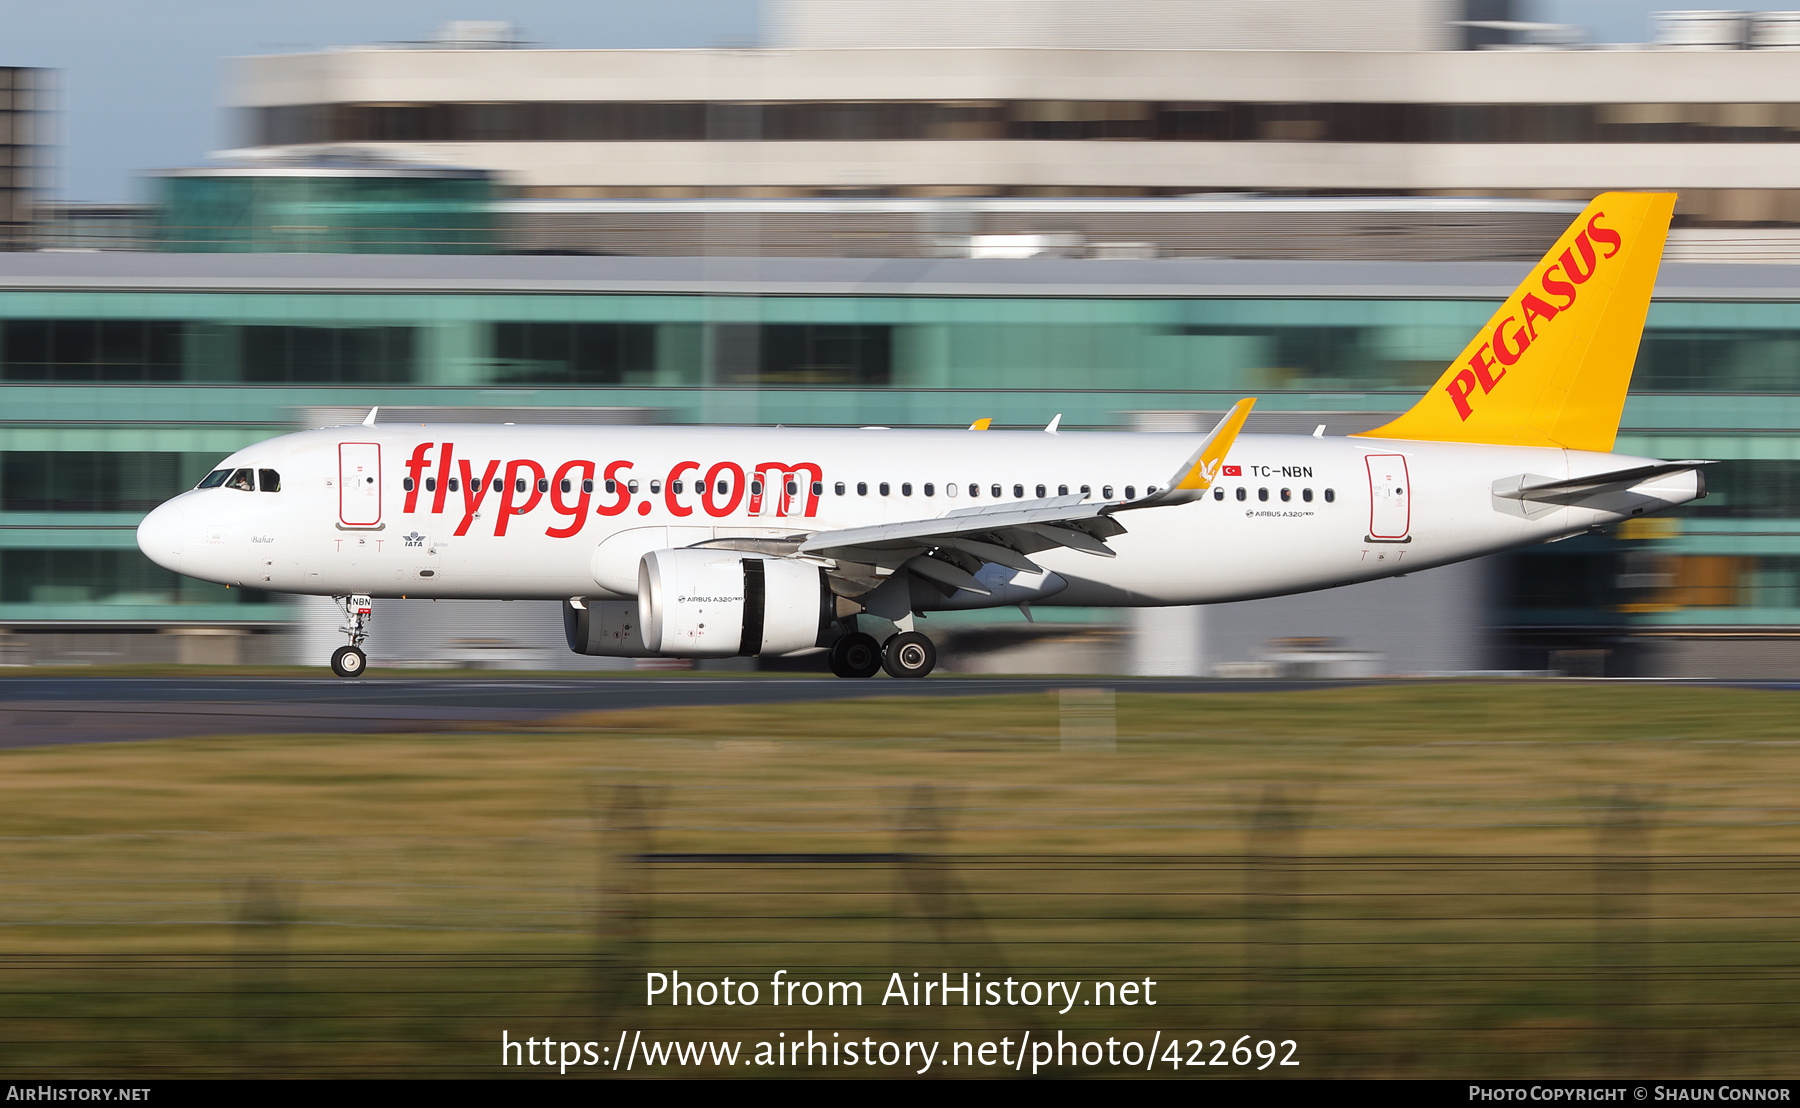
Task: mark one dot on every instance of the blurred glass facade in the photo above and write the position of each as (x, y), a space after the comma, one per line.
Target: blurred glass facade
(326, 209)
(117, 396)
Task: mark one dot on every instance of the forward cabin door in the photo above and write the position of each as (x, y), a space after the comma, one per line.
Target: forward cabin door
(359, 484)
(1390, 498)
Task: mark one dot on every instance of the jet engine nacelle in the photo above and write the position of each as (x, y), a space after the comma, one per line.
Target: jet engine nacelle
(606, 628)
(700, 603)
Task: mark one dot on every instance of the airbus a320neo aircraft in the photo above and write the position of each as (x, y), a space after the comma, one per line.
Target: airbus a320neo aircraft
(716, 541)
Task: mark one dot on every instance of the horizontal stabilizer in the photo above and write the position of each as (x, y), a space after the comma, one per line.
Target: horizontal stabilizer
(1568, 491)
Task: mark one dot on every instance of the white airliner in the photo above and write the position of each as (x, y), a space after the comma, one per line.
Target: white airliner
(717, 541)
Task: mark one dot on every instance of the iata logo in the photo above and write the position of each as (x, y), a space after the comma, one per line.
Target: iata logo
(1515, 332)
(414, 539)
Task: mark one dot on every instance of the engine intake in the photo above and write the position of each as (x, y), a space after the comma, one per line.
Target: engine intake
(700, 603)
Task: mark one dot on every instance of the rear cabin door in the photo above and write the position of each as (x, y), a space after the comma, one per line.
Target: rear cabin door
(1390, 498)
(359, 484)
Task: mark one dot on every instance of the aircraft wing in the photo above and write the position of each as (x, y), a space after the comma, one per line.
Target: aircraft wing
(1002, 533)
(1008, 533)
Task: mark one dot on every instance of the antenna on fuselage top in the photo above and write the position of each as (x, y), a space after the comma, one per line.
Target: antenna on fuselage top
(369, 420)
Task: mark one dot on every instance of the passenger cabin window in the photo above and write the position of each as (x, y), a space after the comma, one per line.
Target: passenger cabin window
(1040, 492)
(884, 488)
(406, 483)
(950, 489)
(1286, 495)
(974, 489)
(1306, 495)
(431, 484)
(838, 488)
(1218, 494)
(906, 488)
(656, 486)
(1062, 490)
(1262, 494)
(269, 480)
(214, 479)
(930, 489)
(1106, 492)
(631, 487)
(1330, 496)
(756, 488)
(567, 486)
(862, 488)
(242, 480)
(792, 489)
(498, 483)
(1086, 491)
(1131, 492)
(996, 491)
(587, 485)
(612, 486)
(455, 484)
(678, 487)
(1243, 494)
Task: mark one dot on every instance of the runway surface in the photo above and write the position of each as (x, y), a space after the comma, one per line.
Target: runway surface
(47, 711)
(43, 711)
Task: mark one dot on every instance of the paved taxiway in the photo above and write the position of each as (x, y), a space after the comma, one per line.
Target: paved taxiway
(41, 711)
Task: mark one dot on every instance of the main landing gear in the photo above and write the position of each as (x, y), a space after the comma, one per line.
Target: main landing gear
(907, 654)
(359, 612)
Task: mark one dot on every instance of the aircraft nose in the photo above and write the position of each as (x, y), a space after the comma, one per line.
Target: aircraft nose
(161, 535)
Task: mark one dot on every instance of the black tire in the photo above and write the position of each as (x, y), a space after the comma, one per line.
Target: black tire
(855, 655)
(349, 661)
(908, 654)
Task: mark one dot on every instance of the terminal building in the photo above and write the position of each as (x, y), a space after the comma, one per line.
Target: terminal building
(1070, 215)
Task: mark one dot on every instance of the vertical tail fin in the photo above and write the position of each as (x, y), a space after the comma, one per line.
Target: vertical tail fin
(1552, 366)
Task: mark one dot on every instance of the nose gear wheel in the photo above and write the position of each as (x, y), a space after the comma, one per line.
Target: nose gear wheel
(349, 661)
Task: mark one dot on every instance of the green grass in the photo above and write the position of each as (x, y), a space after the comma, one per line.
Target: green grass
(1517, 879)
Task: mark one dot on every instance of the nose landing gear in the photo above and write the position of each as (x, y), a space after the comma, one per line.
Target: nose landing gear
(359, 612)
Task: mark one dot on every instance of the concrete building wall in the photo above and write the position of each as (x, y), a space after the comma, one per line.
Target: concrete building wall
(1216, 24)
(1715, 89)
(947, 73)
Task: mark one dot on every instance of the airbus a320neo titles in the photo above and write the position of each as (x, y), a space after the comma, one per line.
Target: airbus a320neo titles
(705, 542)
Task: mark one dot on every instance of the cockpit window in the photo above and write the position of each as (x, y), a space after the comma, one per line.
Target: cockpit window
(214, 479)
(269, 480)
(242, 480)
